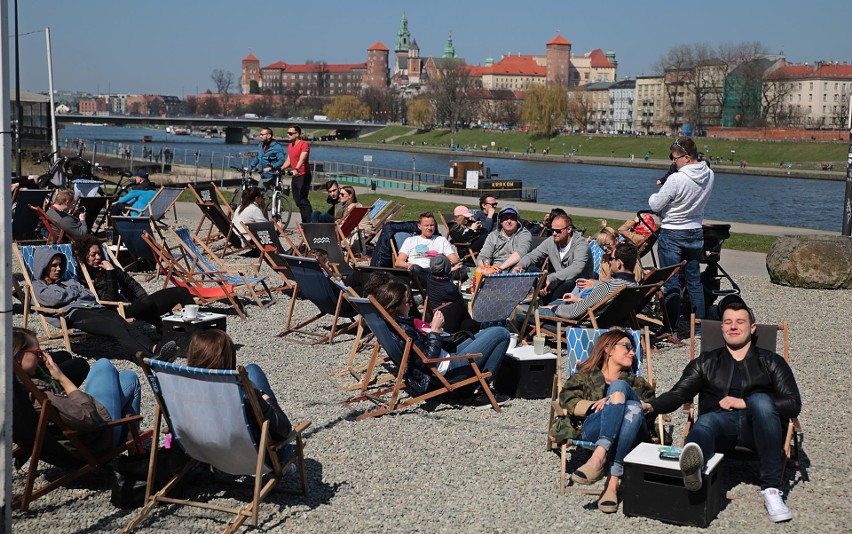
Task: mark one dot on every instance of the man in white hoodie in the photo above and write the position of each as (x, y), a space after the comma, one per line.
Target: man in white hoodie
(680, 203)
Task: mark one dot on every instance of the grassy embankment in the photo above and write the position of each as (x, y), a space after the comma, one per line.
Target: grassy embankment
(802, 155)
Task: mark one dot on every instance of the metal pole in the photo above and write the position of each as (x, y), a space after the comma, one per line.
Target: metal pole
(847, 200)
(19, 110)
(5, 289)
(54, 135)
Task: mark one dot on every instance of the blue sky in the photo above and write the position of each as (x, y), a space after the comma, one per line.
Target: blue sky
(170, 47)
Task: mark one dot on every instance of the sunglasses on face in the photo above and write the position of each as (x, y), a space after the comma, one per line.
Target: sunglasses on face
(559, 230)
(37, 352)
(627, 345)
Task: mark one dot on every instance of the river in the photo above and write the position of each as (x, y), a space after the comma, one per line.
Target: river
(774, 200)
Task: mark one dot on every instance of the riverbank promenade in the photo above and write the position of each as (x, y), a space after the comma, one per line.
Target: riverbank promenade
(442, 467)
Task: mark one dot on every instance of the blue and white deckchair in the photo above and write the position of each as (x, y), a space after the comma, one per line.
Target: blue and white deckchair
(190, 399)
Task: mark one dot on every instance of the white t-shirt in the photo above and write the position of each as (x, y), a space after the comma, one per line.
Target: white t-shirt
(251, 214)
(418, 248)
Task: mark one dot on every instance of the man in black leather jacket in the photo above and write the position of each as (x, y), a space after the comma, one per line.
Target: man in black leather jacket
(744, 396)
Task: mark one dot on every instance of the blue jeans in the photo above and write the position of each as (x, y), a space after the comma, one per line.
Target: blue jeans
(758, 427)
(258, 378)
(492, 342)
(619, 424)
(673, 247)
(119, 392)
(321, 217)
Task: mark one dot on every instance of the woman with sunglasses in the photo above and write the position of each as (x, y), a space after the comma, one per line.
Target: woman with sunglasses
(110, 394)
(606, 398)
(348, 200)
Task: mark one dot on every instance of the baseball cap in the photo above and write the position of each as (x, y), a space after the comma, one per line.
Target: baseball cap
(462, 210)
(732, 299)
(142, 173)
(440, 265)
(509, 210)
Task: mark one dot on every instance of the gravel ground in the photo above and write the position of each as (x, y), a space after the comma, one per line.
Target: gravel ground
(447, 468)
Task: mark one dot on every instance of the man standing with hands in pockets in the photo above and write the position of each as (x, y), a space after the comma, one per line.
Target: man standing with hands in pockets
(298, 152)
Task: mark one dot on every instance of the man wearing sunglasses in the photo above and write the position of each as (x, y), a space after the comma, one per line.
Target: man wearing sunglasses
(680, 203)
(269, 157)
(487, 212)
(298, 160)
(569, 255)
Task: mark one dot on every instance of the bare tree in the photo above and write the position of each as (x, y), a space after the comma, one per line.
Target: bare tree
(580, 108)
(545, 108)
(776, 108)
(676, 67)
(224, 82)
(742, 73)
(452, 95)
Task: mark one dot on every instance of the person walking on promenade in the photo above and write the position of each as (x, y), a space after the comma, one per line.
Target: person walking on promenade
(680, 203)
(270, 156)
(744, 395)
(298, 160)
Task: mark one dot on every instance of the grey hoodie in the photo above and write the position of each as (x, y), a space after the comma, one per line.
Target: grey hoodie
(681, 200)
(67, 293)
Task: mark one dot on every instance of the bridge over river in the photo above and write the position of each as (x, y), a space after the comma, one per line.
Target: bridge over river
(236, 128)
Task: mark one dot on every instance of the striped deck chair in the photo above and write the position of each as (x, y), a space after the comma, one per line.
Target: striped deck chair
(314, 284)
(25, 222)
(597, 256)
(580, 342)
(388, 399)
(197, 262)
(189, 399)
(24, 256)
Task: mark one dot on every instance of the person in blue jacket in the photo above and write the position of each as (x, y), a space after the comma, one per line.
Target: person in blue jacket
(270, 156)
(138, 197)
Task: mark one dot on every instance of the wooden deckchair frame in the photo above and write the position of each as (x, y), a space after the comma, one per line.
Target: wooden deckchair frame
(55, 233)
(225, 227)
(267, 454)
(267, 255)
(217, 198)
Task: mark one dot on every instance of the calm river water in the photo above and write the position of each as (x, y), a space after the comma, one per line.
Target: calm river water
(772, 200)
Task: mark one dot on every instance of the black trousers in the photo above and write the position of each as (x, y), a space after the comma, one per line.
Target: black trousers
(300, 186)
(76, 369)
(107, 323)
(150, 307)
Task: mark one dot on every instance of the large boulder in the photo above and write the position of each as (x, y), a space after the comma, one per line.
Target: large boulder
(811, 261)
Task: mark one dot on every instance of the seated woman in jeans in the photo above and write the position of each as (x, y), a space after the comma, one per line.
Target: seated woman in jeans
(109, 394)
(610, 397)
(491, 342)
(214, 349)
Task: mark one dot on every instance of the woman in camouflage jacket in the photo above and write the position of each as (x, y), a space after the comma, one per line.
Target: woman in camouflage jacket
(604, 401)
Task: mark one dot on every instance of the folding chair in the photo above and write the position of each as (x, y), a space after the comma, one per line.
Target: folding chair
(312, 283)
(55, 234)
(463, 249)
(597, 256)
(203, 288)
(37, 435)
(120, 306)
(382, 324)
(189, 399)
(497, 296)
(352, 219)
(24, 257)
(265, 237)
(233, 242)
(130, 230)
(95, 206)
(25, 221)
(209, 193)
(326, 236)
(378, 207)
(765, 337)
(580, 342)
(663, 323)
(396, 243)
(196, 262)
(380, 220)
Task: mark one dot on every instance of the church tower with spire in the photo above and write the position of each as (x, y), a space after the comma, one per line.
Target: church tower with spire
(403, 43)
(449, 50)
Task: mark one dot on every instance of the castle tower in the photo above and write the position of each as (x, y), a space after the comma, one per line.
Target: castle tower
(556, 60)
(403, 42)
(449, 50)
(414, 63)
(610, 55)
(250, 73)
(377, 67)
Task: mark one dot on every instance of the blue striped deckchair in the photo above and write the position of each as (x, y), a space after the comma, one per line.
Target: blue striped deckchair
(189, 399)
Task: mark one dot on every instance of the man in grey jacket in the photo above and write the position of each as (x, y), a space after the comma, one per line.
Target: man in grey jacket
(75, 227)
(505, 248)
(680, 203)
(569, 255)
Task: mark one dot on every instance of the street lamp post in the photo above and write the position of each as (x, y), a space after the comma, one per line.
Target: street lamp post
(413, 170)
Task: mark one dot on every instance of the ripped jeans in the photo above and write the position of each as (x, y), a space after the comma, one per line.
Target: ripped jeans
(620, 425)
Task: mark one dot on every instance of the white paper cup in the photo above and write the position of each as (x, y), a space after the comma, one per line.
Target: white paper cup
(513, 341)
(190, 311)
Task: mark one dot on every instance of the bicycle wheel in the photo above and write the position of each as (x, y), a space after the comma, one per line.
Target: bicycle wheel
(282, 208)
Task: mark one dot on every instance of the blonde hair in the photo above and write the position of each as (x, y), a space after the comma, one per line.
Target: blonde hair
(606, 235)
(63, 196)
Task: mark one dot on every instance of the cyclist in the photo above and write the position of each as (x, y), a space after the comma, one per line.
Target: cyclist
(270, 156)
(297, 160)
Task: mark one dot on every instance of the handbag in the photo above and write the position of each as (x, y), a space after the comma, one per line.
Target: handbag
(130, 476)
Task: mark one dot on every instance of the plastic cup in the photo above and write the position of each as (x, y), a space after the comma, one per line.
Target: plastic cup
(538, 344)
(513, 341)
(190, 311)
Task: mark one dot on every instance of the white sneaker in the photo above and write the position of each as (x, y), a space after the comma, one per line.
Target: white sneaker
(691, 464)
(778, 511)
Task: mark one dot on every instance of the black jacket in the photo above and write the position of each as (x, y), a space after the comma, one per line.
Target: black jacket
(117, 286)
(709, 376)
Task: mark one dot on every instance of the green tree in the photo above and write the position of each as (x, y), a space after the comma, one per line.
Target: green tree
(421, 113)
(545, 108)
(347, 108)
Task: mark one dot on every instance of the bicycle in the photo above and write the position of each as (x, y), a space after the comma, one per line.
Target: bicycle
(64, 169)
(279, 205)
